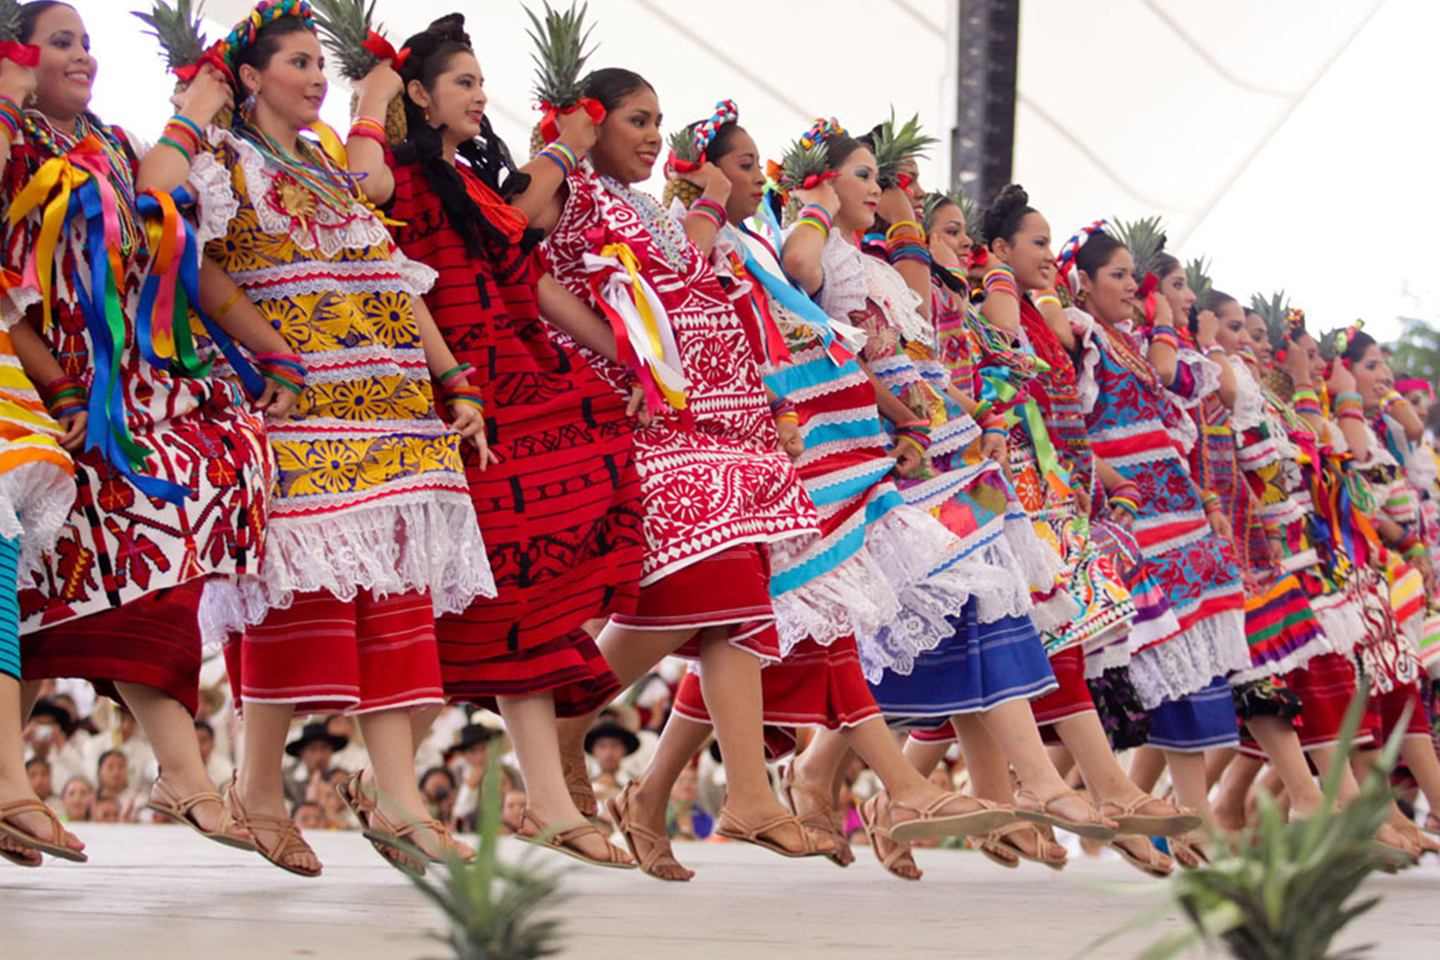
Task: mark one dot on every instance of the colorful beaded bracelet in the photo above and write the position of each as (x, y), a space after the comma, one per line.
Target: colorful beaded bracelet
(560, 155)
(65, 396)
(283, 369)
(710, 209)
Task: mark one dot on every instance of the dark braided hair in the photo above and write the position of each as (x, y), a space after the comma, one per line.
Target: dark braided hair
(488, 158)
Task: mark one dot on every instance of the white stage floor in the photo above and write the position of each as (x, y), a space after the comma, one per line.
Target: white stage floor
(160, 893)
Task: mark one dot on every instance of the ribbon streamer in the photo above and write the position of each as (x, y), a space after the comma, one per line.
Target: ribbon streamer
(25, 54)
(550, 129)
(384, 50)
(644, 340)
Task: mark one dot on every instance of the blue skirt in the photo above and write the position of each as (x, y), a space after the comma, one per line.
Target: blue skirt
(1196, 722)
(9, 607)
(979, 667)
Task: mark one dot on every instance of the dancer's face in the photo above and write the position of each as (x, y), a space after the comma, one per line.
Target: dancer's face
(1110, 293)
(950, 242)
(628, 142)
(1259, 338)
(858, 189)
(1028, 253)
(291, 87)
(66, 74)
(1372, 376)
(1175, 288)
(1230, 334)
(742, 167)
(456, 99)
(911, 171)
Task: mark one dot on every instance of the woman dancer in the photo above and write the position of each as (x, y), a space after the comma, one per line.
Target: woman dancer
(172, 470)
(372, 530)
(875, 557)
(560, 509)
(716, 490)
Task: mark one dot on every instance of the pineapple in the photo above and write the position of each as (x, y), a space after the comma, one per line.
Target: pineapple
(682, 146)
(893, 146)
(1145, 238)
(9, 20)
(345, 25)
(178, 31)
(1197, 275)
(560, 53)
(1273, 312)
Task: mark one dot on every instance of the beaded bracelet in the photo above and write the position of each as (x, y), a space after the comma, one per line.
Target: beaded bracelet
(916, 439)
(65, 396)
(1165, 335)
(1126, 488)
(1211, 502)
(183, 130)
(907, 248)
(560, 155)
(1050, 298)
(815, 216)
(788, 416)
(460, 373)
(11, 117)
(1349, 405)
(1125, 503)
(710, 209)
(283, 369)
(464, 393)
(177, 147)
(917, 232)
(370, 129)
(1000, 278)
(1214, 349)
(1390, 399)
(989, 420)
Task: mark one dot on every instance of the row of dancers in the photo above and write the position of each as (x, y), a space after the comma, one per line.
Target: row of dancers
(403, 422)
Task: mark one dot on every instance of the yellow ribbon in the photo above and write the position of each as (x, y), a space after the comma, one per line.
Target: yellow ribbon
(50, 187)
(628, 260)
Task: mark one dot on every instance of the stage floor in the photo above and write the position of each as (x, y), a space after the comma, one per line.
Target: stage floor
(160, 893)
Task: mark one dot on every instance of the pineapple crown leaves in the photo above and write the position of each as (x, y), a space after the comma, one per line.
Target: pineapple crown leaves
(1197, 275)
(561, 40)
(1273, 311)
(1145, 238)
(939, 198)
(682, 145)
(178, 30)
(804, 160)
(10, 20)
(345, 26)
(896, 144)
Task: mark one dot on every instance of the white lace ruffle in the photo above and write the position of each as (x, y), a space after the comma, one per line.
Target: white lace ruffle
(418, 276)
(1214, 647)
(897, 301)
(227, 606)
(15, 303)
(425, 541)
(35, 502)
(844, 290)
(333, 231)
(215, 201)
(1249, 410)
(1105, 658)
(1089, 385)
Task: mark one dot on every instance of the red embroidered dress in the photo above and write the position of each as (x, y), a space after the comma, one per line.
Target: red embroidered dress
(560, 512)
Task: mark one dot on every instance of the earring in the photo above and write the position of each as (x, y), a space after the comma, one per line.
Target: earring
(427, 114)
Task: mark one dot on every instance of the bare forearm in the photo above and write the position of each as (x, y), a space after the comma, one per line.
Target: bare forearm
(234, 313)
(366, 156)
(40, 364)
(439, 358)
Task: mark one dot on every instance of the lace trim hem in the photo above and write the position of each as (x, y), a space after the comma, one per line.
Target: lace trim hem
(1213, 647)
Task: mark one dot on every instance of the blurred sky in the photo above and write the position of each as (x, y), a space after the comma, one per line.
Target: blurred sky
(1292, 142)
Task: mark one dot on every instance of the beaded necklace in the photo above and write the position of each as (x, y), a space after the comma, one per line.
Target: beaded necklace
(327, 183)
(669, 238)
(57, 143)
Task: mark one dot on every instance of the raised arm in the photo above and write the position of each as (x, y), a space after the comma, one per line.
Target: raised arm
(905, 239)
(544, 197)
(17, 85)
(167, 165)
(569, 314)
(365, 146)
(707, 215)
(801, 255)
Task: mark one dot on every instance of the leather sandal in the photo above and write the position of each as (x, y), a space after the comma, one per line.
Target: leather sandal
(821, 817)
(288, 839)
(1153, 864)
(534, 831)
(166, 802)
(1130, 820)
(360, 803)
(1004, 840)
(732, 827)
(577, 781)
(1432, 824)
(658, 848)
(55, 846)
(23, 857)
(401, 837)
(1028, 806)
(932, 823)
(1189, 852)
(879, 833)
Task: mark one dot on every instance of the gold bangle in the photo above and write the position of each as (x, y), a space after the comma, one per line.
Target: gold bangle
(225, 307)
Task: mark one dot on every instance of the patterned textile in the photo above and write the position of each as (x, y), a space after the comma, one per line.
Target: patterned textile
(1072, 697)
(9, 608)
(370, 492)
(560, 512)
(119, 545)
(1196, 722)
(1126, 411)
(37, 485)
(712, 475)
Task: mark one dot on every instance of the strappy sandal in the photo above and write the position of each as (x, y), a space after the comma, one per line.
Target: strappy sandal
(1029, 806)
(563, 841)
(932, 823)
(1432, 824)
(732, 827)
(1148, 864)
(821, 817)
(582, 791)
(55, 846)
(361, 804)
(658, 847)
(879, 833)
(166, 802)
(401, 839)
(1189, 852)
(22, 858)
(288, 839)
(1130, 820)
(998, 843)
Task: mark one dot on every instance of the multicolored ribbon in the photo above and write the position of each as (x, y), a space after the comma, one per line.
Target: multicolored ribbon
(705, 131)
(644, 341)
(214, 57)
(1065, 262)
(1019, 407)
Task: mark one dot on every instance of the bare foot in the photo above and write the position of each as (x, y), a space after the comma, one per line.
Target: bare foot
(813, 806)
(641, 820)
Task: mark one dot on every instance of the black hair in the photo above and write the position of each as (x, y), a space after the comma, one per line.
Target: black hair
(1003, 217)
(839, 147)
(1096, 252)
(100, 762)
(1360, 341)
(31, 12)
(446, 771)
(1164, 264)
(431, 51)
(723, 142)
(259, 52)
(34, 760)
(1216, 299)
(206, 726)
(611, 85)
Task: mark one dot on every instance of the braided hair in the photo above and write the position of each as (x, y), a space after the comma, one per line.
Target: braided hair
(488, 158)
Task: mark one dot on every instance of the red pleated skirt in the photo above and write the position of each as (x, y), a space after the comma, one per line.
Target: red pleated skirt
(323, 655)
(1325, 687)
(1072, 697)
(154, 641)
(726, 589)
(1384, 710)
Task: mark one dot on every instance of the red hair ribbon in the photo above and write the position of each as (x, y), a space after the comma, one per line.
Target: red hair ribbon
(384, 50)
(25, 54)
(214, 57)
(550, 130)
(1410, 384)
(815, 179)
(674, 165)
(1146, 293)
(903, 181)
(978, 257)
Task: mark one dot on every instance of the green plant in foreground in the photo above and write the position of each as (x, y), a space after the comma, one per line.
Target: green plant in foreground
(1287, 893)
(494, 909)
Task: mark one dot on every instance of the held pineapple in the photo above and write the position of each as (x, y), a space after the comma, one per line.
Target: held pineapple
(1145, 238)
(894, 145)
(804, 160)
(1197, 275)
(682, 147)
(345, 26)
(179, 31)
(560, 54)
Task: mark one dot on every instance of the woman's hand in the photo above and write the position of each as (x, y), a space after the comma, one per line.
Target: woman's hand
(790, 439)
(276, 401)
(1122, 518)
(16, 82)
(1207, 325)
(994, 447)
(468, 420)
(711, 181)
(908, 461)
(1341, 379)
(895, 206)
(204, 97)
(577, 131)
(381, 85)
(635, 407)
(823, 195)
(74, 427)
(1221, 527)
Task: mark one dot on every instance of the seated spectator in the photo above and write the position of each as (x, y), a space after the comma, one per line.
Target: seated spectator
(105, 810)
(75, 800)
(468, 757)
(308, 815)
(512, 811)
(684, 820)
(112, 779)
(216, 766)
(314, 752)
(53, 734)
(321, 790)
(440, 789)
(608, 744)
(352, 756)
(38, 770)
(124, 735)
